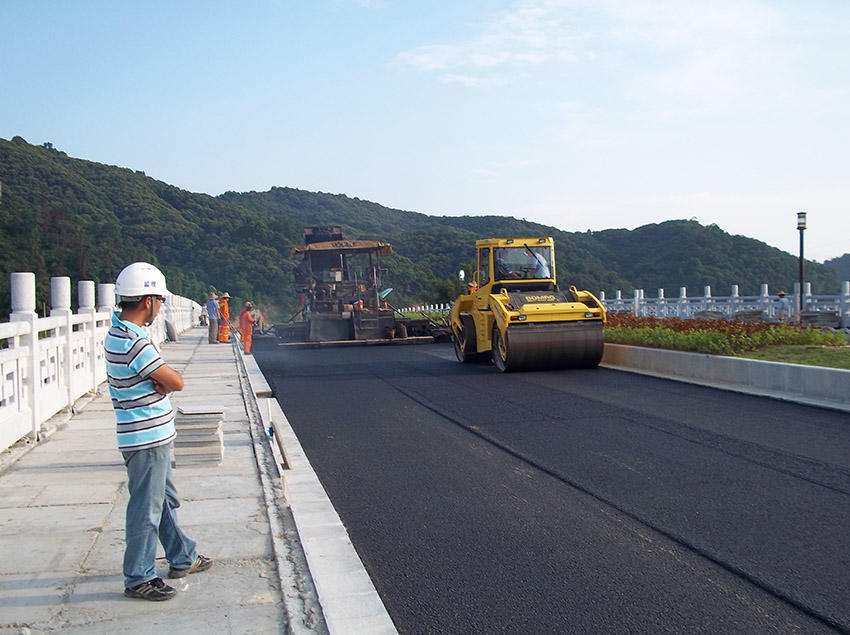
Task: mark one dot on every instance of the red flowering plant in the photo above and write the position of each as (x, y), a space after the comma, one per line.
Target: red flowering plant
(718, 337)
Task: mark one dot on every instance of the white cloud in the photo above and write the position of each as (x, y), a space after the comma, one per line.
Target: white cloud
(693, 57)
(531, 34)
(471, 80)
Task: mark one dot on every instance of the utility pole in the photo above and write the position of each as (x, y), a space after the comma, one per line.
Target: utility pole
(801, 226)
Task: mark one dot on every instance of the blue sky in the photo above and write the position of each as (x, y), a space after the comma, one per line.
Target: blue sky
(582, 114)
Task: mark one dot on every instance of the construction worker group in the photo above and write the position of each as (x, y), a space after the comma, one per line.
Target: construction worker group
(218, 313)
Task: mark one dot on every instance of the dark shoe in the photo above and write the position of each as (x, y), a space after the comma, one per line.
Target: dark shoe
(202, 563)
(154, 590)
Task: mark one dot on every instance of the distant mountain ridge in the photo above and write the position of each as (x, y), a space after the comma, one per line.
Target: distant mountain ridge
(65, 216)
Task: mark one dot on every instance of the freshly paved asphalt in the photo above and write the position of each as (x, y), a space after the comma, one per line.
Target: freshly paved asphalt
(574, 501)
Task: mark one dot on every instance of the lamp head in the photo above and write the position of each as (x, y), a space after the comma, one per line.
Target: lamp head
(801, 220)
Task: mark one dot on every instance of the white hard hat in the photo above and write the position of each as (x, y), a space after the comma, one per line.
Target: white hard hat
(139, 280)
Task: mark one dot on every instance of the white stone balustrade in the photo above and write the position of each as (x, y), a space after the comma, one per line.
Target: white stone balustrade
(47, 363)
(688, 307)
(729, 306)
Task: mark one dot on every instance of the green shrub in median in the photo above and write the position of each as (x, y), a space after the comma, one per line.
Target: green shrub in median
(716, 337)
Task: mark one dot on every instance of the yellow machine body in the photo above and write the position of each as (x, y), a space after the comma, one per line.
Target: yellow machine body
(516, 314)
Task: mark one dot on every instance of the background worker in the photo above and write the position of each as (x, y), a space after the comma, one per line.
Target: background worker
(224, 318)
(212, 315)
(246, 327)
(139, 384)
(784, 307)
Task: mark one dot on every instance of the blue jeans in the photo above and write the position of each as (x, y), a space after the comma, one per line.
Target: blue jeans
(150, 514)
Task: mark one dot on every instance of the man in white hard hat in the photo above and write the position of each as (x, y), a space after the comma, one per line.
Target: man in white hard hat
(139, 383)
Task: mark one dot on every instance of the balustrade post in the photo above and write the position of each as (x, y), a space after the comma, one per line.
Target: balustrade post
(60, 306)
(764, 301)
(106, 297)
(682, 304)
(734, 301)
(844, 305)
(807, 297)
(22, 287)
(86, 294)
(636, 306)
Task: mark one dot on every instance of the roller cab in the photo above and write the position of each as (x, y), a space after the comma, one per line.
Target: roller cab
(516, 315)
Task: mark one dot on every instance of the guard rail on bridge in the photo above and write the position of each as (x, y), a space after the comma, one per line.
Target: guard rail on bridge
(764, 305)
(47, 363)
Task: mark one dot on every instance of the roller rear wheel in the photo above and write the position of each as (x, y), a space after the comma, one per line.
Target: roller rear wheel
(500, 352)
(460, 343)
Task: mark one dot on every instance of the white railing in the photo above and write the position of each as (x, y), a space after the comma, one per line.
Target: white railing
(47, 363)
(771, 307)
(427, 308)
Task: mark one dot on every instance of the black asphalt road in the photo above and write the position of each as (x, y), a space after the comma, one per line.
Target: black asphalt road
(574, 501)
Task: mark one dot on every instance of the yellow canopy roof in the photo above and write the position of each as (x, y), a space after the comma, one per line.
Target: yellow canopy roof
(347, 246)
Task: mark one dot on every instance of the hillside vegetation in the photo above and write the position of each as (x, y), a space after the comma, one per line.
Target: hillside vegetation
(65, 216)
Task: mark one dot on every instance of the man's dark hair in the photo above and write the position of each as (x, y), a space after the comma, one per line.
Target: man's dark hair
(129, 304)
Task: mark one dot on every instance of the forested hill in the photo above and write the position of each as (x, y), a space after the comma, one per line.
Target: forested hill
(665, 255)
(66, 216)
(841, 265)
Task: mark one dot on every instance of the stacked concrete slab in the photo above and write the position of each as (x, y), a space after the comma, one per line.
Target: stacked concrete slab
(199, 438)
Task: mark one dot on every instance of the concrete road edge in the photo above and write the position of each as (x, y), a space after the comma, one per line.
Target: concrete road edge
(808, 385)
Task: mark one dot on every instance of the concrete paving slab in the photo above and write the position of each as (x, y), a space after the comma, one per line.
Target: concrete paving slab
(99, 598)
(229, 466)
(248, 619)
(88, 420)
(73, 494)
(225, 542)
(55, 459)
(106, 555)
(53, 520)
(36, 553)
(201, 486)
(222, 511)
(45, 476)
(197, 512)
(19, 496)
(32, 598)
(81, 440)
(232, 541)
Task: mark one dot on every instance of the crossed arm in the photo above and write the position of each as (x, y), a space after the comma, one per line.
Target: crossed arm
(166, 380)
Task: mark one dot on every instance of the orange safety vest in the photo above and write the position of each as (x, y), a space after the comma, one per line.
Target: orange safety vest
(223, 321)
(246, 329)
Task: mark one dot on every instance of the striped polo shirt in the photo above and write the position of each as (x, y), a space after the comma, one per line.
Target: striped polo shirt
(145, 418)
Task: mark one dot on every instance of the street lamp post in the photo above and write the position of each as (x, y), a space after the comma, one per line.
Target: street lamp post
(801, 226)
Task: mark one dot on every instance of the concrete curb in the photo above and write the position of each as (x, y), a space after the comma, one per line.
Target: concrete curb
(349, 600)
(809, 385)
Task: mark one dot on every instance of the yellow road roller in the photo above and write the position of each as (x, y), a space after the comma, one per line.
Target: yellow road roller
(516, 314)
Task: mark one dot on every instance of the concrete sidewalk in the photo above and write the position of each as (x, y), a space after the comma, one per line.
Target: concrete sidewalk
(62, 525)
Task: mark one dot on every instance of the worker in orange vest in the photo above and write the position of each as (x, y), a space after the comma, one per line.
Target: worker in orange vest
(224, 318)
(246, 327)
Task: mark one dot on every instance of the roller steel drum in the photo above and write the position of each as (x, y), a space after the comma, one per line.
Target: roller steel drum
(533, 346)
